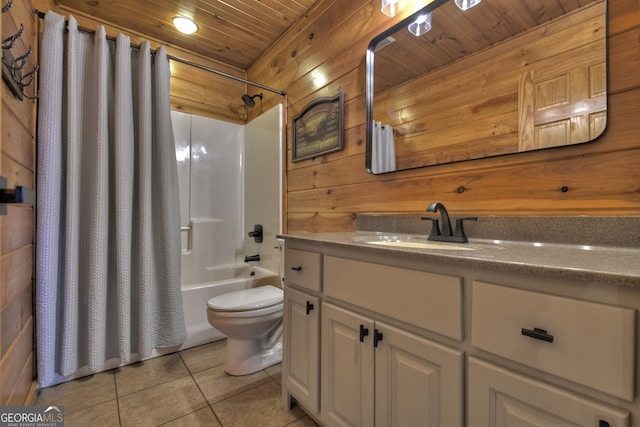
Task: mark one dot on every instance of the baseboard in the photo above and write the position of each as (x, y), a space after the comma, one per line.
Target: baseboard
(30, 400)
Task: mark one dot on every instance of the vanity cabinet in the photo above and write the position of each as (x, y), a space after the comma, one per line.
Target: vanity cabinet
(301, 332)
(378, 374)
(499, 397)
(587, 343)
(347, 368)
(301, 349)
(396, 340)
(584, 342)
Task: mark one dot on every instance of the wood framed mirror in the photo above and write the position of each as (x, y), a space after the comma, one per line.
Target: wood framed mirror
(500, 78)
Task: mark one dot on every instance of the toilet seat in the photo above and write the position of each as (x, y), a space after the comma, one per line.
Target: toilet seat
(253, 299)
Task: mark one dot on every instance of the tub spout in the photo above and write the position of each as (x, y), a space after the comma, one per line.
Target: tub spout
(249, 258)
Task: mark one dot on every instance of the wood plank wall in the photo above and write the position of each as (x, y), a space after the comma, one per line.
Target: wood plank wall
(16, 235)
(321, 55)
(325, 53)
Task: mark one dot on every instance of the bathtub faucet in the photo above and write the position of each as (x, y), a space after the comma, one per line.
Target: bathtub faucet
(249, 258)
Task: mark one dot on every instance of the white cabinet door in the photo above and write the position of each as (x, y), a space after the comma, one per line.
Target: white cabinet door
(502, 398)
(418, 382)
(347, 368)
(301, 352)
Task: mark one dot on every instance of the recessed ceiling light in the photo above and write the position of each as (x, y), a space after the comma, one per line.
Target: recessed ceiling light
(185, 25)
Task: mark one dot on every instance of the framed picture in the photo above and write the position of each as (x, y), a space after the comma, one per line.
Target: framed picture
(319, 128)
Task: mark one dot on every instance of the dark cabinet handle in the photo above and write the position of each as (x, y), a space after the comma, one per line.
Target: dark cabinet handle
(377, 337)
(603, 423)
(537, 333)
(363, 332)
(296, 268)
(309, 307)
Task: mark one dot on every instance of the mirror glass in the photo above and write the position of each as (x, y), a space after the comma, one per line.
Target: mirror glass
(499, 78)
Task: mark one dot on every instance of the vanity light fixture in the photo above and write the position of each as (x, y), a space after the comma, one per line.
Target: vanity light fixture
(390, 7)
(467, 4)
(421, 25)
(185, 25)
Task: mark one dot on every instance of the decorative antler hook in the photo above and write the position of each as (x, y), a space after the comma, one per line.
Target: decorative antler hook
(10, 41)
(6, 7)
(21, 61)
(12, 72)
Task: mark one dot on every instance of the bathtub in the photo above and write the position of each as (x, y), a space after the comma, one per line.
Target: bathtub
(219, 280)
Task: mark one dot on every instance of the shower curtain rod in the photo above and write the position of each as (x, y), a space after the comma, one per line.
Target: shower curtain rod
(41, 15)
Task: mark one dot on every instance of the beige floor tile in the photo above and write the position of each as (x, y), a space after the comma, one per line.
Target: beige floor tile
(305, 421)
(261, 406)
(202, 418)
(161, 404)
(205, 356)
(217, 385)
(149, 373)
(103, 415)
(80, 394)
(275, 372)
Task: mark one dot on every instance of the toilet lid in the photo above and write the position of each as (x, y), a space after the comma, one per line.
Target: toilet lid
(247, 299)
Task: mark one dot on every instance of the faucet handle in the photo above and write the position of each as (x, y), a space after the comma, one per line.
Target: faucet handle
(459, 233)
(435, 228)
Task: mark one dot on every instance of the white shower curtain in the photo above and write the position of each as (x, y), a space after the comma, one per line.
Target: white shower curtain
(108, 236)
(383, 154)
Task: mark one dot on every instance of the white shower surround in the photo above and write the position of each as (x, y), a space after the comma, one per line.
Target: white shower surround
(230, 179)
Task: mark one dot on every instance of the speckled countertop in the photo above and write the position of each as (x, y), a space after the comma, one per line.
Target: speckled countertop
(597, 250)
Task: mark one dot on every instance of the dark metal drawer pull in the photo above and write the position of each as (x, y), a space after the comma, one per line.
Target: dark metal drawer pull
(296, 268)
(363, 332)
(377, 337)
(537, 333)
(309, 307)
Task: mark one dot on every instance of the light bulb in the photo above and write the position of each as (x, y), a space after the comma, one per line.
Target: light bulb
(421, 25)
(390, 7)
(467, 4)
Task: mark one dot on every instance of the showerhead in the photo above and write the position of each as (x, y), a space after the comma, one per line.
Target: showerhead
(248, 100)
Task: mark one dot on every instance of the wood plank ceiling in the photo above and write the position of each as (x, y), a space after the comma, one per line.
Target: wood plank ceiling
(235, 32)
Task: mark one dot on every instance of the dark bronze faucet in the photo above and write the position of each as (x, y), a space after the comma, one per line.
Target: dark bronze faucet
(447, 234)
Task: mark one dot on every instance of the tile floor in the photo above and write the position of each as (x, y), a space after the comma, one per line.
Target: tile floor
(188, 388)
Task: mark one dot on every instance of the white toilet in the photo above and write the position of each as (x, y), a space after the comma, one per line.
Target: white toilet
(252, 321)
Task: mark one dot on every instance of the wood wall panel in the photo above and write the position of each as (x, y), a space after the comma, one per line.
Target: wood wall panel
(326, 192)
(17, 163)
(16, 274)
(18, 358)
(322, 54)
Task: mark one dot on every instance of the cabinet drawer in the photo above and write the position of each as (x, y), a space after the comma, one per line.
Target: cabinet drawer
(427, 300)
(589, 343)
(303, 269)
(499, 397)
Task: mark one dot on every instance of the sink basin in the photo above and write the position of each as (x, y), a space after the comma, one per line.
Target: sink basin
(413, 242)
